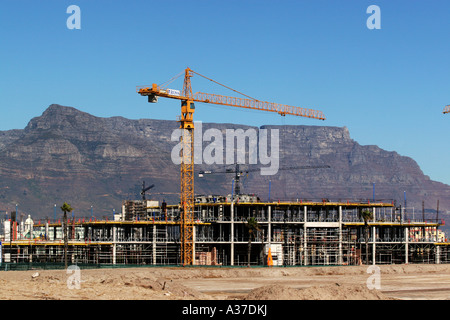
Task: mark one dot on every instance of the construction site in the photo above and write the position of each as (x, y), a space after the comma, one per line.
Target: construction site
(234, 230)
(286, 234)
(225, 158)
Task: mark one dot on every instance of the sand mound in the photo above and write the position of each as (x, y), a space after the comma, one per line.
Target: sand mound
(144, 286)
(328, 292)
(170, 288)
(96, 285)
(204, 283)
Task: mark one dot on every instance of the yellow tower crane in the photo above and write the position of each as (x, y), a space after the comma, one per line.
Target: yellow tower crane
(447, 109)
(187, 139)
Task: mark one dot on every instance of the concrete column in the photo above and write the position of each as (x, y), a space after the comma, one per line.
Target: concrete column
(114, 244)
(269, 225)
(232, 234)
(340, 260)
(305, 243)
(154, 244)
(406, 244)
(438, 253)
(46, 231)
(193, 244)
(373, 236)
(373, 245)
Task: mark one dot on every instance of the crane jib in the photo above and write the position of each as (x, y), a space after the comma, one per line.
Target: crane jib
(257, 105)
(281, 109)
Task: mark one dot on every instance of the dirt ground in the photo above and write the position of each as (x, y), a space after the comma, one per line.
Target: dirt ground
(424, 282)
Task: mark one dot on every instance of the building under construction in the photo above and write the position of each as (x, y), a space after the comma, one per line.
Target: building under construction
(288, 234)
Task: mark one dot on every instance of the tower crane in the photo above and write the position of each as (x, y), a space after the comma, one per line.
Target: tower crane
(447, 109)
(186, 120)
(144, 189)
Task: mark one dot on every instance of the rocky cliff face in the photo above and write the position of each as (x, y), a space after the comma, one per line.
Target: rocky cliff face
(69, 155)
(356, 171)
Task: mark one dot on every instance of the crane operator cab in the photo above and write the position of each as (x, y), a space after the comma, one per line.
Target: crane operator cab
(187, 113)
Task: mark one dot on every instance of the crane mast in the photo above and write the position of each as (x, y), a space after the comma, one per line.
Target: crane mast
(187, 141)
(187, 172)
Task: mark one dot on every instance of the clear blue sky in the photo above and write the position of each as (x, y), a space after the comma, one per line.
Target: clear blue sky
(387, 86)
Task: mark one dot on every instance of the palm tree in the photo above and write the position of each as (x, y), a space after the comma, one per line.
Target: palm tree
(366, 215)
(65, 208)
(253, 227)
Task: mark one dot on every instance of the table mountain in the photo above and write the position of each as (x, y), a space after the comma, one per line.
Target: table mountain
(69, 155)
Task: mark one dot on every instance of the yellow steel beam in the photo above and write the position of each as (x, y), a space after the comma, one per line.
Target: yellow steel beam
(413, 224)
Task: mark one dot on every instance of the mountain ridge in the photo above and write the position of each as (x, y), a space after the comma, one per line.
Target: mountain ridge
(69, 155)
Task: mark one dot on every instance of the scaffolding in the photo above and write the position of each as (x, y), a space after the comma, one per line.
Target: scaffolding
(326, 246)
(135, 210)
(443, 253)
(298, 233)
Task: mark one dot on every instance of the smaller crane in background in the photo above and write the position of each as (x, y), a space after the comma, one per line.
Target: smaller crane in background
(145, 189)
(447, 109)
(238, 173)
